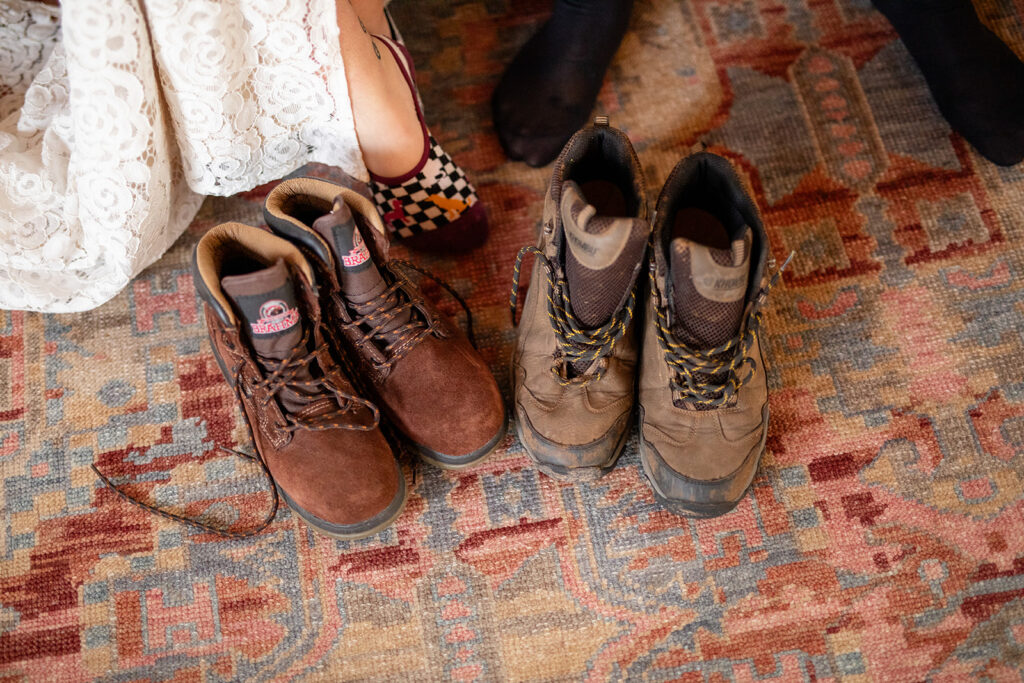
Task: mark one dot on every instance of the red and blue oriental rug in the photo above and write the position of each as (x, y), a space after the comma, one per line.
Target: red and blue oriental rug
(883, 538)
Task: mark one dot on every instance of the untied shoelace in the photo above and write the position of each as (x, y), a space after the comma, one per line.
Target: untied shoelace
(282, 375)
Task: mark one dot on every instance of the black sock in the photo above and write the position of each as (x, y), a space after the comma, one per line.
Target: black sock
(976, 80)
(549, 89)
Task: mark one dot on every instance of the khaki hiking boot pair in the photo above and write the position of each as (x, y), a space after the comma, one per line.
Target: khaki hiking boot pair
(703, 399)
(319, 333)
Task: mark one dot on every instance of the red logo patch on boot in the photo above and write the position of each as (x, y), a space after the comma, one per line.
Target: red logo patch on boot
(275, 316)
(359, 254)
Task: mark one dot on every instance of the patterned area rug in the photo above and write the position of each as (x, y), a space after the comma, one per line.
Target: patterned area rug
(882, 538)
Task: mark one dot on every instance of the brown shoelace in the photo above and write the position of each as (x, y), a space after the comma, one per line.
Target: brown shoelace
(281, 377)
(392, 302)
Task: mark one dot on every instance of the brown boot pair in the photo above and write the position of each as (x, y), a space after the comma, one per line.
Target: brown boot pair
(595, 331)
(321, 334)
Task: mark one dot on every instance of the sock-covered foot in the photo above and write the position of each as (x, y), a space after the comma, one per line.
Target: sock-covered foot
(433, 206)
(549, 89)
(976, 80)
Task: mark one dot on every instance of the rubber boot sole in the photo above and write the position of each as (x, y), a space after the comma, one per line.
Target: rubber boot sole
(564, 472)
(461, 462)
(350, 532)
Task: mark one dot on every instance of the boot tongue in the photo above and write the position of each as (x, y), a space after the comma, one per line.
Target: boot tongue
(358, 274)
(603, 255)
(709, 289)
(360, 279)
(266, 301)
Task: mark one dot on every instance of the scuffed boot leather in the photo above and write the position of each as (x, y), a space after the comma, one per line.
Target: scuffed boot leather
(574, 360)
(703, 389)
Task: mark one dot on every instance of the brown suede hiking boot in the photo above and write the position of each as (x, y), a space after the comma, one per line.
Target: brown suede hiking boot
(574, 361)
(319, 441)
(419, 367)
(703, 393)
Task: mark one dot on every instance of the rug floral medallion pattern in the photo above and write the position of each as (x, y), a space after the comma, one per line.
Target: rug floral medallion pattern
(883, 538)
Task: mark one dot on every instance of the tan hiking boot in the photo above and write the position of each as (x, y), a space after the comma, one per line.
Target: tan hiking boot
(573, 366)
(703, 392)
(319, 441)
(417, 365)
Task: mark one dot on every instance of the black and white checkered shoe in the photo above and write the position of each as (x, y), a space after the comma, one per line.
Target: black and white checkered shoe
(434, 206)
(436, 196)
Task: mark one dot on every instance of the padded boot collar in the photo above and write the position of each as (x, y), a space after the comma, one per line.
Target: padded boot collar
(232, 238)
(294, 204)
(709, 181)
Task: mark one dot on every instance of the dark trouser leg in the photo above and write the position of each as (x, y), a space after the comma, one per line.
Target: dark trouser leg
(549, 89)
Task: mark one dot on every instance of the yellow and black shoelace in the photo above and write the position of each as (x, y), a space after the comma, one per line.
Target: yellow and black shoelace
(711, 378)
(577, 346)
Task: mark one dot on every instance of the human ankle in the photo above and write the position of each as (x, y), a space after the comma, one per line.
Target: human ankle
(392, 136)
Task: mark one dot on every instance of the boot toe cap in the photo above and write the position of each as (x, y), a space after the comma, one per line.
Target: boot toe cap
(353, 530)
(562, 453)
(314, 475)
(459, 428)
(697, 472)
(445, 400)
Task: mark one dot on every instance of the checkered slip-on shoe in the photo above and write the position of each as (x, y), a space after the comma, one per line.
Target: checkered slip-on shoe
(433, 207)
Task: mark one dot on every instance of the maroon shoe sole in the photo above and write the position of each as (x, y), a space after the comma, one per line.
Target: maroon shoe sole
(467, 232)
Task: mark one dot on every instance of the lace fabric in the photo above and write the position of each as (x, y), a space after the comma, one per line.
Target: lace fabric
(117, 117)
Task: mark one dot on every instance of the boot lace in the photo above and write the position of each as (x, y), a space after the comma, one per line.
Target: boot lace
(577, 346)
(281, 377)
(711, 378)
(398, 298)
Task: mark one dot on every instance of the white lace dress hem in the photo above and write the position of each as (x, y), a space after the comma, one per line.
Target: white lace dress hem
(117, 117)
